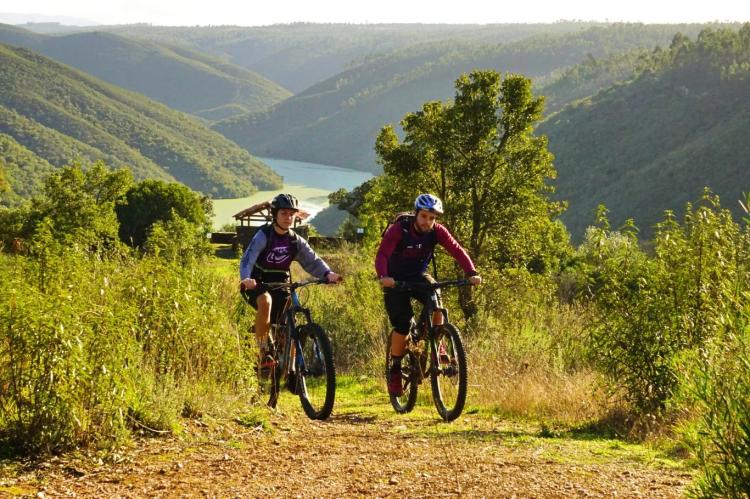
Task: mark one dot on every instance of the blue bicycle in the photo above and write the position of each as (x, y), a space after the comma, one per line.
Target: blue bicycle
(300, 355)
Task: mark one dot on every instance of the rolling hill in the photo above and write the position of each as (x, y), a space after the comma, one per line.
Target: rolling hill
(300, 55)
(61, 114)
(336, 121)
(181, 78)
(21, 171)
(654, 142)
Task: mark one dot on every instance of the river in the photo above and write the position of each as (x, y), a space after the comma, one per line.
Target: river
(309, 182)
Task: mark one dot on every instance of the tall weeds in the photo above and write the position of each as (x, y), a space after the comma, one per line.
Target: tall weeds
(93, 345)
(526, 349)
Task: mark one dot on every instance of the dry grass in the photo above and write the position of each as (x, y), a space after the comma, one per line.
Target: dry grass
(536, 391)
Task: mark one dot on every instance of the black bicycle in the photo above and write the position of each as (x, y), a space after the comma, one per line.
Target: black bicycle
(299, 355)
(434, 351)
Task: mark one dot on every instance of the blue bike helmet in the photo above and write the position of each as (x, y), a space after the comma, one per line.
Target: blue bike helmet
(428, 202)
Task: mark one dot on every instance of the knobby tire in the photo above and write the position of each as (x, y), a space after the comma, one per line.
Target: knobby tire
(316, 387)
(449, 379)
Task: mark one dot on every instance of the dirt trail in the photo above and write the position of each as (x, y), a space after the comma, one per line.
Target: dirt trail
(358, 455)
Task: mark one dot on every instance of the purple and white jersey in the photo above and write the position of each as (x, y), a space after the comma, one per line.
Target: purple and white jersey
(279, 255)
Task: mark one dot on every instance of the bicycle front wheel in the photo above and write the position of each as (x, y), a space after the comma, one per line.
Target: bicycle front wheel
(405, 402)
(316, 373)
(448, 372)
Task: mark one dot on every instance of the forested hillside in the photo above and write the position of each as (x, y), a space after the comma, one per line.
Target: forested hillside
(654, 143)
(21, 170)
(336, 121)
(588, 77)
(61, 114)
(181, 78)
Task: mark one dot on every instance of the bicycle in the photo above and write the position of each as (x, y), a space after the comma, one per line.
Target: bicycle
(312, 374)
(447, 367)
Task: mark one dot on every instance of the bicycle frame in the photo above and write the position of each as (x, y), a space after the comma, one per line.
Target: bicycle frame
(425, 326)
(289, 313)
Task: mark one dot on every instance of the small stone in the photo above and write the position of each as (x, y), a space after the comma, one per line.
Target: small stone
(393, 481)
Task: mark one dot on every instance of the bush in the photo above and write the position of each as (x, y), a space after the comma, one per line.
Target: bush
(352, 312)
(177, 240)
(91, 347)
(717, 387)
(152, 201)
(652, 308)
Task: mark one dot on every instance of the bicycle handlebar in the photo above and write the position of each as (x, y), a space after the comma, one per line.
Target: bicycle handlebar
(294, 285)
(431, 285)
(289, 285)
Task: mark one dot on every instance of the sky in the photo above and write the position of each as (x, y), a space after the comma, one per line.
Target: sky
(265, 12)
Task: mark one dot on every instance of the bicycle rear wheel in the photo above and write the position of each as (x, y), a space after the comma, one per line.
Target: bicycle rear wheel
(316, 375)
(409, 382)
(448, 372)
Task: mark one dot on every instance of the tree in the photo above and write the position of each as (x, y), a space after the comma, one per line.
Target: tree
(480, 155)
(80, 203)
(152, 201)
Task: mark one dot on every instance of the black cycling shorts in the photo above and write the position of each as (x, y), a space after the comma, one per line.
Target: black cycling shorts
(398, 303)
(278, 300)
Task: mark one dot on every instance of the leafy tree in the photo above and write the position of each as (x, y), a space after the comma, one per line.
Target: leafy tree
(352, 201)
(80, 203)
(152, 201)
(480, 155)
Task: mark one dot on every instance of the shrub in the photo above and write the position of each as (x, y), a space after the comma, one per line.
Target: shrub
(92, 346)
(177, 240)
(352, 312)
(652, 308)
(151, 201)
(717, 387)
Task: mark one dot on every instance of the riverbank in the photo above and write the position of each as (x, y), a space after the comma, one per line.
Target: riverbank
(309, 182)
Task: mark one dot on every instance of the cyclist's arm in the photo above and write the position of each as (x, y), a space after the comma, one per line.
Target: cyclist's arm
(310, 261)
(447, 241)
(387, 245)
(257, 244)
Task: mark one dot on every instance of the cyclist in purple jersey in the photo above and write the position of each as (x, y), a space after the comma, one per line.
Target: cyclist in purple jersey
(404, 255)
(267, 259)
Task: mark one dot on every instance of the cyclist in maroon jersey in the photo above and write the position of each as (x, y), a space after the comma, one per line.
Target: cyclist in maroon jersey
(405, 252)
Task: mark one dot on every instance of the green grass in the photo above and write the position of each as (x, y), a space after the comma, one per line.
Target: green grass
(364, 399)
(16, 491)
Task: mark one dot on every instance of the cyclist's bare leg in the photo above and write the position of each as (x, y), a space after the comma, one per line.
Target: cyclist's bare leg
(437, 318)
(262, 318)
(398, 344)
